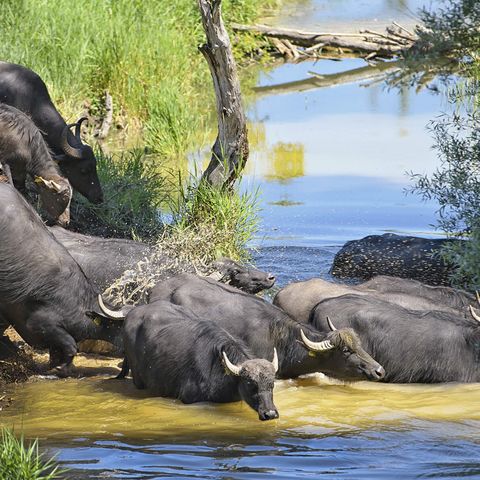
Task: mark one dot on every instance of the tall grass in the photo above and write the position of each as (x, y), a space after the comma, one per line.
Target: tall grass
(144, 52)
(19, 461)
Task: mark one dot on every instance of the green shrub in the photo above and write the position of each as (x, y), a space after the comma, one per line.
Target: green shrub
(19, 461)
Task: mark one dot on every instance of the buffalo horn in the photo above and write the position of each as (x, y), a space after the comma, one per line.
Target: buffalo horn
(474, 314)
(478, 296)
(230, 366)
(331, 325)
(109, 313)
(67, 148)
(78, 127)
(275, 360)
(316, 346)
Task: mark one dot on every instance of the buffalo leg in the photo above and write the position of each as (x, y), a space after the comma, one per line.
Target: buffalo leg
(125, 369)
(63, 349)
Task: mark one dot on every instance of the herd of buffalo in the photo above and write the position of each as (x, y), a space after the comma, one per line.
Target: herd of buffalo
(197, 338)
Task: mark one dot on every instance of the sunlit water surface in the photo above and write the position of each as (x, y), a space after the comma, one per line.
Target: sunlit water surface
(331, 165)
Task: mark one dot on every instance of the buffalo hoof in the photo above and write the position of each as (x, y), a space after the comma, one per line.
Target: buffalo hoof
(62, 371)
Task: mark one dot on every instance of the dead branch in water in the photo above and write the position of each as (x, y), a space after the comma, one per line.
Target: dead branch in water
(297, 44)
(230, 151)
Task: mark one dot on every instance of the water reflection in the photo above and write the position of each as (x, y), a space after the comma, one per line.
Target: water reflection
(348, 15)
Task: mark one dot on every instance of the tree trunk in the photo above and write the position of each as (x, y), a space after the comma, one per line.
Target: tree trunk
(230, 151)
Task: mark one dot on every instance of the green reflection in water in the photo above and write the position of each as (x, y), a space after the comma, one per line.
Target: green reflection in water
(286, 161)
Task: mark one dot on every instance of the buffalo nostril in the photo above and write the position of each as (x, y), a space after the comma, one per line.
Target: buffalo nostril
(380, 372)
(269, 415)
(271, 278)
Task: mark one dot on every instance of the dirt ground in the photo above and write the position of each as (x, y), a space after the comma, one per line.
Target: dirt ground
(25, 363)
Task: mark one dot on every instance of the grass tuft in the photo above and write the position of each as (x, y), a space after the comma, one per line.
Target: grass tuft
(19, 461)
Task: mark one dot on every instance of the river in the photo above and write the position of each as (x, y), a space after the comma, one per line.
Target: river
(331, 166)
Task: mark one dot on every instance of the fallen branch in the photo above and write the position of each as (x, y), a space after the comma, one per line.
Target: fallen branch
(107, 119)
(394, 42)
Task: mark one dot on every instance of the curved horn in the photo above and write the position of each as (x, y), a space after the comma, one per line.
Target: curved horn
(478, 296)
(78, 127)
(474, 314)
(67, 148)
(109, 313)
(316, 346)
(230, 366)
(275, 360)
(331, 325)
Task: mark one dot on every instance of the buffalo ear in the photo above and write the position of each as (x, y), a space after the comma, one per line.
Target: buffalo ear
(50, 184)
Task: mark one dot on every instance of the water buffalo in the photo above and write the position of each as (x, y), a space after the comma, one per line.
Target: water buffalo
(172, 353)
(44, 294)
(24, 89)
(24, 152)
(423, 297)
(395, 255)
(414, 346)
(104, 260)
(262, 326)
(299, 298)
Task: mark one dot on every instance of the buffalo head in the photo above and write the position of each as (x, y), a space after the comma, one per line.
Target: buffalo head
(256, 379)
(55, 197)
(348, 360)
(249, 280)
(79, 164)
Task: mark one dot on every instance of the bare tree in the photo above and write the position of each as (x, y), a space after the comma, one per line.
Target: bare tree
(230, 151)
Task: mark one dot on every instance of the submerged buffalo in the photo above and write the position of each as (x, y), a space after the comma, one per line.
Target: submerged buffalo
(104, 260)
(172, 353)
(301, 348)
(24, 153)
(24, 89)
(395, 255)
(44, 294)
(414, 346)
(298, 299)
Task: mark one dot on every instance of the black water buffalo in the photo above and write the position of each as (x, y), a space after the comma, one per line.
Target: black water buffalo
(104, 260)
(24, 152)
(395, 255)
(172, 353)
(262, 326)
(423, 297)
(25, 90)
(44, 294)
(298, 299)
(414, 346)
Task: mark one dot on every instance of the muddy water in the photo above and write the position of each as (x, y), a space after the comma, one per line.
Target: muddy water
(106, 428)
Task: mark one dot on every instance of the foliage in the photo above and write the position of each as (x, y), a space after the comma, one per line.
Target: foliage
(451, 28)
(134, 191)
(21, 462)
(219, 222)
(455, 185)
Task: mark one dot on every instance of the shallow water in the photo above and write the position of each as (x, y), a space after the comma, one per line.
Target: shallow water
(348, 15)
(106, 428)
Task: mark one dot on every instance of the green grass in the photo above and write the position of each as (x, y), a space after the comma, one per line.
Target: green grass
(19, 461)
(144, 52)
(215, 222)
